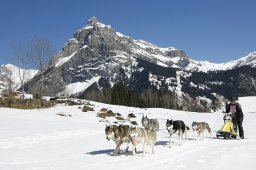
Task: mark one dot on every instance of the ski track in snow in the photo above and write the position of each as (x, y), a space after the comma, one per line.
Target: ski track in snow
(181, 156)
(43, 138)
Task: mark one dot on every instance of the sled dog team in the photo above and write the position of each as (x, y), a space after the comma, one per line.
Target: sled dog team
(121, 134)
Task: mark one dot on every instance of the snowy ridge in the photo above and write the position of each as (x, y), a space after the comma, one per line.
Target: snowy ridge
(11, 72)
(144, 44)
(121, 35)
(206, 66)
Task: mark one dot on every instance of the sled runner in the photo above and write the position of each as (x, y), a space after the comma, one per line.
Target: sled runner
(228, 130)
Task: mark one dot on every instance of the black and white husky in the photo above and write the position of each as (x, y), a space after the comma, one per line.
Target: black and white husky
(178, 127)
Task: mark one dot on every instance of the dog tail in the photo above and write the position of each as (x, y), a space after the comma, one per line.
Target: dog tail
(187, 127)
(209, 129)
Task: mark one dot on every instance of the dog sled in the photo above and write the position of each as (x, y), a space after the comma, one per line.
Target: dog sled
(228, 130)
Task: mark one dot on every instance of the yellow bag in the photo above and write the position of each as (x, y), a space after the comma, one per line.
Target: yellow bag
(228, 127)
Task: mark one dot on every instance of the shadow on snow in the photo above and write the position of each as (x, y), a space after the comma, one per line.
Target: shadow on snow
(100, 152)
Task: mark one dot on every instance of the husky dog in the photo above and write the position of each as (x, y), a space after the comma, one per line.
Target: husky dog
(178, 127)
(149, 123)
(144, 137)
(200, 127)
(119, 134)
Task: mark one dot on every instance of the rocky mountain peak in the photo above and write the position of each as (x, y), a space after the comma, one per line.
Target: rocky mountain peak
(92, 21)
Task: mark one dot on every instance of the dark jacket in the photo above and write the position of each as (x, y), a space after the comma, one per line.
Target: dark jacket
(239, 116)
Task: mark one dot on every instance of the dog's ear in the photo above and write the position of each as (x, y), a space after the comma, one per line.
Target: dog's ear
(113, 126)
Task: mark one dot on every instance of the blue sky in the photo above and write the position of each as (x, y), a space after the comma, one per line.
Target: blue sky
(212, 30)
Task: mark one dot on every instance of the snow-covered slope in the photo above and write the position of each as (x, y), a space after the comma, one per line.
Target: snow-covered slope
(40, 139)
(10, 73)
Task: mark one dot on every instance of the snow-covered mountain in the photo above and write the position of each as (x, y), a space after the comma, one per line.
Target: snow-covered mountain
(97, 56)
(167, 57)
(205, 66)
(9, 75)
